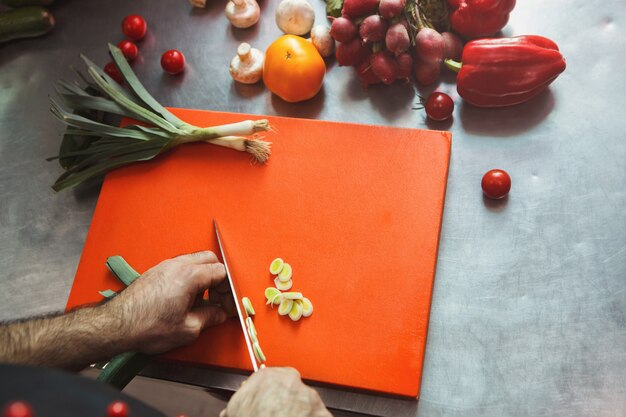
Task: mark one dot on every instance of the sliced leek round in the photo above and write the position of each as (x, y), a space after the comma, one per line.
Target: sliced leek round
(285, 307)
(260, 356)
(285, 273)
(273, 295)
(293, 295)
(296, 310)
(247, 304)
(252, 332)
(283, 286)
(276, 266)
(307, 307)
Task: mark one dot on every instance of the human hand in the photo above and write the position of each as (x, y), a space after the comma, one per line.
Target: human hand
(163, 309)
(275, 392)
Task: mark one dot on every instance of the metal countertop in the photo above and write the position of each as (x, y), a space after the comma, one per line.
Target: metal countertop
(529, 308)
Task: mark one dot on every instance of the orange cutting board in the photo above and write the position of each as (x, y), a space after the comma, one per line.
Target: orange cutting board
(355, 209)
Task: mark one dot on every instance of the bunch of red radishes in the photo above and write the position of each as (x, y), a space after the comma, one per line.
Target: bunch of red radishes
(374, 37)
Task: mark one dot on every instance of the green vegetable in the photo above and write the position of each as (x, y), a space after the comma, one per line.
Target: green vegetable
(285, 307)
(108, 293)
(247, 304)
(122, 271)
(91, 147)
(258, 352)
(283, 286)
(285, 273)
(27, 22)
(273, 296)
(276, 266)
(333, 7)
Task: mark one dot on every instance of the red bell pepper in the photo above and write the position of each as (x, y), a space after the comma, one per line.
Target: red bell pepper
(478, 18)
(506, 71)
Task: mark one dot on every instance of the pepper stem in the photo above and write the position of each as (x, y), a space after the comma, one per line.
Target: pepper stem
(453, 65)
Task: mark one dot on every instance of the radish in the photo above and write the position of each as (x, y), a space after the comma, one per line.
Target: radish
(366, 75)
(429, 45)
(356, 8)
(452, 46)
(351, 53)
(426, 72)
(397, 38)
(342, 29)
(384, 66)
(373, 29)
(391, 8)
(405, 66)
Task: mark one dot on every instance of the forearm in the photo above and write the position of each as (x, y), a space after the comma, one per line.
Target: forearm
(71, 341)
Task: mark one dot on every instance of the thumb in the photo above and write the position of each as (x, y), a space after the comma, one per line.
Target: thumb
(208, 315)
(223, 413)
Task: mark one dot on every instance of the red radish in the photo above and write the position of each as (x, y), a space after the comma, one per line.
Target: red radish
(351, 53)
(111, 70)
(342, 29)
(405, 66)
(366, 75)
(426, 72)
(373, 29)
(397, 38)
(429, 45)
(452, 46)
(356, 8)
(391, 8)
(385, 66)
(129, 49)
(134, 27)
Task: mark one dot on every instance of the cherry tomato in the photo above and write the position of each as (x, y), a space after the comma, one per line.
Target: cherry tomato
(293, 69)
(439, 106)
(111, 70)
(134, 27)
(129, 49)
(173, 61)
(18, 409)
(117, 409)
(496, 183)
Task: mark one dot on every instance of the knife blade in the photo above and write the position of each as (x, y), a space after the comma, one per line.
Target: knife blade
(238, 300)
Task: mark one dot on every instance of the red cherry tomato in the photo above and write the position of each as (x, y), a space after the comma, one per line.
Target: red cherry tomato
(134, 27)
(18, 409)
(173, 61)
(439, 106)
(129, 49)
(117, 409)
(496, 183)
(111, 70)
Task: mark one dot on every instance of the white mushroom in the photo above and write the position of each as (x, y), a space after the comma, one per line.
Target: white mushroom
(321, 39)
(247, 66)
(295, 17)
(242, 13)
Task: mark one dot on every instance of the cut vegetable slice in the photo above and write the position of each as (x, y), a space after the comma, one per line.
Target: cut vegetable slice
(247, 304)
(276, 266)
(296, 311)
(249, 322)
(285, 307)
(307, 307)
(273, 295)
(260, 356)
(285, 273)
(293, 295)
(283, 286)
(252, 332)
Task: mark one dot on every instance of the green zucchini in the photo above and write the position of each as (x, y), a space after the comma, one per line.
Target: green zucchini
(22, 3)
(27, 22)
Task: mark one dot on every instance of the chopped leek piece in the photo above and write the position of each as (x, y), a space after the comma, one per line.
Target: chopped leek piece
(273, 295)
(283, 286)
(258, 352)
(292, 295)
(307, 307)
(296, 310)
(285, 273)
(285, 307)
(276, 266)
(252, 332)
(247, 304)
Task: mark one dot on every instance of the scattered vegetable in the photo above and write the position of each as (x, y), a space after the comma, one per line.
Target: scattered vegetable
(247, 66)
(276, 266)
(252, 332)
(293, 69)
(247, 304)
(285, 273)
(385, 66)
(296, 310)
(292, 295)
(111, 70)
(397, 38)
(429, 45)
(134, 27)
(439, 106)
(366, 75)
(129, 49)
(307, 307)
(391, 8)
(173, 62)
(405, 66)
(295, 17)
(283, 286)
(273, 295)
(496, 184)
(323, 42)
(258, 352)
(452, 46)
(26, 22)
(474, 19)
(242, 13)
(373, 29)
(342, 29)
(352, 53)
(358, 8)
(91, 147)
(285, 306)
(506, 71)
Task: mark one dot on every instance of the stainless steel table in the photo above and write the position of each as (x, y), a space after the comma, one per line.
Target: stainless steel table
(528, 313)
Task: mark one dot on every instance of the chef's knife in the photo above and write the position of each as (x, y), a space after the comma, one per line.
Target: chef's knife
(241, 312)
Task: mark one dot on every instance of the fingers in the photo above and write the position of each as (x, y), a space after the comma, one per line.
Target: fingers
(223, 413)
(207, 316)
(197, 258)
(207, 276)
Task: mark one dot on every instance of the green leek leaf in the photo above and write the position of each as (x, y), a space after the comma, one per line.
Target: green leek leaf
(108, 293)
